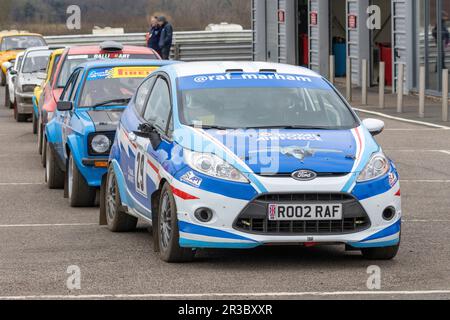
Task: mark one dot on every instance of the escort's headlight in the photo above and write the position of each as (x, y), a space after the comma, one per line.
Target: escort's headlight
(100, 144)
(377, 167)
(212, 165)
(28, 88)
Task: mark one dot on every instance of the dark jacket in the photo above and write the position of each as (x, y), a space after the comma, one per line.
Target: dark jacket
(155, 36)
(166, 36)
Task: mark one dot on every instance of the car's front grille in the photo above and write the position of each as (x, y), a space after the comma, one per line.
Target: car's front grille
(254, 218)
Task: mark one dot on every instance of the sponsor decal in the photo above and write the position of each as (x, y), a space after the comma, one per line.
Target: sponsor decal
(393, 178)
(192, 179)
(269, 136)
(120, 73)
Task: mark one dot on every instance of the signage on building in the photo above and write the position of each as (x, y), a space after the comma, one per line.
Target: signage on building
(281, 16)
(313, 18)
(352, 21)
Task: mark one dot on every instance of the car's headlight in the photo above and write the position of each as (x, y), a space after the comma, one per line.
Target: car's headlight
(377, 167)
(212, 165)
(100, 144)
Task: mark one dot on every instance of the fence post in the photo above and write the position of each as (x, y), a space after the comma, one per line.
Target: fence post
(349, 79)
(332, 69)
(176, 51)
(381, 84)
(400, 79)
(364, 82)
(422, 92)
(445, 95)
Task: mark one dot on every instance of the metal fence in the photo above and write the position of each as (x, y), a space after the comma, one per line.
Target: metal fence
(188, 46)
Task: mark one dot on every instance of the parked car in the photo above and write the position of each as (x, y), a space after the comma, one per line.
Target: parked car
(14, 42)
(70, 59)
(29, 76)
(11, 68)
(80, 135)
(241, 155)
(51, 69)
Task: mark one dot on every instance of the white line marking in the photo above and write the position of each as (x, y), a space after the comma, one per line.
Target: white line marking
(405, 129)
(21, 184)
(425, 181)
(424, 221)
(221, 295)
(422, 123)
(6, 226)
(422, 150)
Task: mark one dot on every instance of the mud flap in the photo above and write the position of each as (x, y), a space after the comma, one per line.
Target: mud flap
(102, 220)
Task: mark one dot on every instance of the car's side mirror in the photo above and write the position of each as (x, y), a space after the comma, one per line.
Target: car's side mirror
(147, 131)
(374, 126)
(64, 106)
(13, 72)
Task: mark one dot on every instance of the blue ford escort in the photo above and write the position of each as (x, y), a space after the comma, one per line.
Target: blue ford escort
(80, 136)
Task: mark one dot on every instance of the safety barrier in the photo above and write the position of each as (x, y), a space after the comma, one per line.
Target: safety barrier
(188, 46)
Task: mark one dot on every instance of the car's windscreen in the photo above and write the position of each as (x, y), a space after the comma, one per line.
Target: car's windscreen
(73, 61)
(69, 65)
(112, 85)
(36, 62)
(22, 42)
(265, 107)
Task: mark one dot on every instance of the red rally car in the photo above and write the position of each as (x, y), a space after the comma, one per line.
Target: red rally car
(70, 59)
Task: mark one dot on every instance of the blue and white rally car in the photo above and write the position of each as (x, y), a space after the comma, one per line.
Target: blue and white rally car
(241, 155)
(80, 136)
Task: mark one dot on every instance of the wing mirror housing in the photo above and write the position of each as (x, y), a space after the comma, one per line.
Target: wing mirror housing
(148, 131)
(374, 126)
(64, 106)
(13, 72)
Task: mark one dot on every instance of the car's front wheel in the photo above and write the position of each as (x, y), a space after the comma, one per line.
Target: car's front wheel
(7, 99)
(54, 176)
(35, 124)
(79, 192)
(117, 219)
(2, 78)
(168, 231)
(387, 253)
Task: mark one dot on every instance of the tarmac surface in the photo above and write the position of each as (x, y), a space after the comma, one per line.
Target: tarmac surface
(41, 237)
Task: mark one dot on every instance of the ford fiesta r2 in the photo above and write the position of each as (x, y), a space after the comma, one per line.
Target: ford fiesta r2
(240, 155)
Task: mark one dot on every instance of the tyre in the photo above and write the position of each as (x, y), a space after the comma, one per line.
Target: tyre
(20, 117)
(54, 176)
(117, 219)
(44, 151)
(7, 100)
(35, 124)
(387, 253)
(168, 231)
(79, 192)
(2, 79)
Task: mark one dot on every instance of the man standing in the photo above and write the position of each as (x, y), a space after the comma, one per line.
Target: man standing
(165, 41)
(154, 35)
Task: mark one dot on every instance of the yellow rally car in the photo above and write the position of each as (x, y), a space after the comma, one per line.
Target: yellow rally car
(13, 42)
(51, 68)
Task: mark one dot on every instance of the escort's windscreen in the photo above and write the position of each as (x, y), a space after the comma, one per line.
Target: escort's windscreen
(112, 84)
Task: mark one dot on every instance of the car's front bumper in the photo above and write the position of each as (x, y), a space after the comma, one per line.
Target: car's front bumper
(24, 103)
(223, 232)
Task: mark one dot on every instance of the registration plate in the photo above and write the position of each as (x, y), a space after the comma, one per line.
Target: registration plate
(305, 212)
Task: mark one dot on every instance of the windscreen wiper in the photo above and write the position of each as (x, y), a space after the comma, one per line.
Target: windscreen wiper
(115, 101)
(208, 127)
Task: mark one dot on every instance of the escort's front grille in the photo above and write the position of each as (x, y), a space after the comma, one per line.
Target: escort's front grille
(254, 218)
